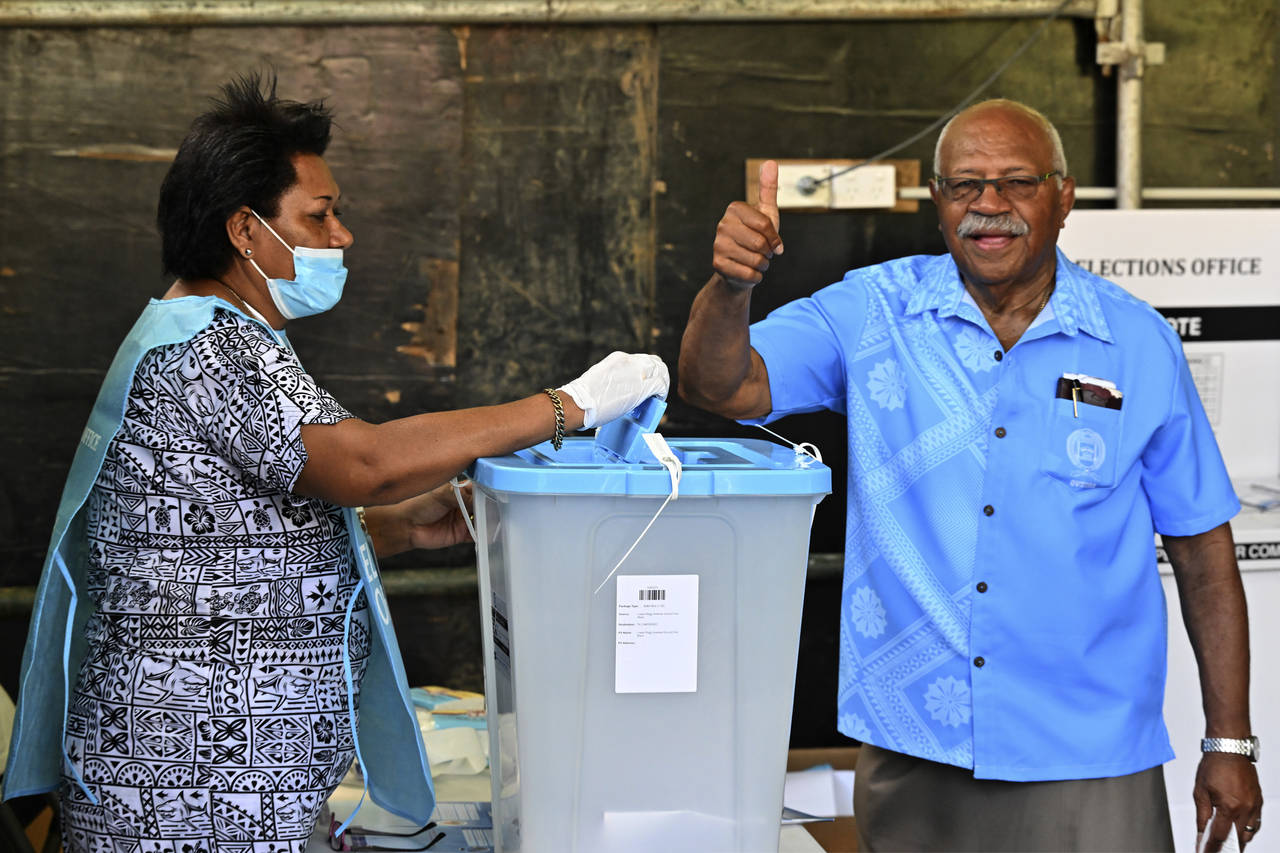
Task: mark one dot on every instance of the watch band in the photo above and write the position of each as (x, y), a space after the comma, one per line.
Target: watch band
(1247, 747)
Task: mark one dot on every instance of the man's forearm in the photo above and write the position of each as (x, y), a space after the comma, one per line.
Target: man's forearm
(1213, 607)
(1216, 616)
(716, 363)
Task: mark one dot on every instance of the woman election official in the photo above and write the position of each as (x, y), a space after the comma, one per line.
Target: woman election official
(210, 627)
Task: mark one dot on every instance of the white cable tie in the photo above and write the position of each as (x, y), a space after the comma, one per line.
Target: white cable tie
(462, 505)
(658, 445)
(806, 448)
(662, 451)
(810, 448)
(633, 545)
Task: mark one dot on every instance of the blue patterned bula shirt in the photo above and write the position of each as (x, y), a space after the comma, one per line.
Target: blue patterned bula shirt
(1001, 607)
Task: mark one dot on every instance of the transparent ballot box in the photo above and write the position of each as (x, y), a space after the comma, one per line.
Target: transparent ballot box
(647, 708)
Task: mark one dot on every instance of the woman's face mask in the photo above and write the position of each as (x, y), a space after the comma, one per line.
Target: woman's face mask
(318, 276)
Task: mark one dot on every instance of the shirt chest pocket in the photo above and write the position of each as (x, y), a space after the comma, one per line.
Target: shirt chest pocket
(1082, 444)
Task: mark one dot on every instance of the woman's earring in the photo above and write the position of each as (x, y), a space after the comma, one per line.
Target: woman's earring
(248, 252)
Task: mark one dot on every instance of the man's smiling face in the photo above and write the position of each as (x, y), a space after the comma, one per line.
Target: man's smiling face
(996, 240)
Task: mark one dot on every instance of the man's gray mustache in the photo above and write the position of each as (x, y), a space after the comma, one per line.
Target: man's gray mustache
(1007, 224)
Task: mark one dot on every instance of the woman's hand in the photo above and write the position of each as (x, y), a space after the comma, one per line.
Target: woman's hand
(435, 520)
(430, 520)
(617, 384)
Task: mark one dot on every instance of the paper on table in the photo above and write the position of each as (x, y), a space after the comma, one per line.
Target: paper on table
(461, 751)
(794, 839)
(1231, 844)
(812, 791)
(647, 831)
(820, 791)
(844, 793)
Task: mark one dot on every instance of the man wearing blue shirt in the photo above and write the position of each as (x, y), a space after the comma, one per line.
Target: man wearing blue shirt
(1018, 427)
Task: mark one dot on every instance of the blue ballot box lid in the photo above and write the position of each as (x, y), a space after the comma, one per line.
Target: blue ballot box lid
(711, 467)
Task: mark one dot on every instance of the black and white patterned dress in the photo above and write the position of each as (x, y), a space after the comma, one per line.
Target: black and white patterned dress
(210, 715)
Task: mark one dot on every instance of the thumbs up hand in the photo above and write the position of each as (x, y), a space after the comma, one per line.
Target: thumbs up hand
(747, 236)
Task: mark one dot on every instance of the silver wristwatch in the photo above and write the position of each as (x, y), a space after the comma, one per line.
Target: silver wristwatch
(1247, 746)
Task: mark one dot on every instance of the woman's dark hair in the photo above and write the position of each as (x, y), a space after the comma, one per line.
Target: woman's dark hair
(238, 153)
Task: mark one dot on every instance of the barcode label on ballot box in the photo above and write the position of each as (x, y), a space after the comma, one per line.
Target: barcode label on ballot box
(656, 647)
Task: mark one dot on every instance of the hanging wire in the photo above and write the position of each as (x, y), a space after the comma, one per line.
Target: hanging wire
(806, 448)
(808, 185)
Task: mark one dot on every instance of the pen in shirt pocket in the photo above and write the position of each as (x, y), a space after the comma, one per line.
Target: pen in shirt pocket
(1090, 390)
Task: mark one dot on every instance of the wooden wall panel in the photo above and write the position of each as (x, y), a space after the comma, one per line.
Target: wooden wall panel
(557, 251)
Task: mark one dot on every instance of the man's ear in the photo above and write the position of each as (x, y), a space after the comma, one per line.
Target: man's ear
(1066, 199)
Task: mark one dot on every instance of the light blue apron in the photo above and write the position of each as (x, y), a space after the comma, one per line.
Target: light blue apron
(389, 743)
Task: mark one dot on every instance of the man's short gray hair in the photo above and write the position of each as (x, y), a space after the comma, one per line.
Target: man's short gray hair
(1059, 156)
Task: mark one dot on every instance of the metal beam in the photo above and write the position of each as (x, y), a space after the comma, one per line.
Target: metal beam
(1129, 109)
(190, 13)
(1197, 194)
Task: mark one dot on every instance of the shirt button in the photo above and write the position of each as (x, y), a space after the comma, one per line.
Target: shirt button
(982, 586)
(1000, 433)
(999, 355)
(979, 661)
(988, 510)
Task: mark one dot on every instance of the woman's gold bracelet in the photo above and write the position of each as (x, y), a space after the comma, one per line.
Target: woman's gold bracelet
(558, 438)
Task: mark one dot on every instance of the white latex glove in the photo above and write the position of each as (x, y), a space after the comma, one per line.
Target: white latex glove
(617, 384)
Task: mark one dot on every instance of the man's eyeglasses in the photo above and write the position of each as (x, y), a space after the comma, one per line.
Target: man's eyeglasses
(1016, 187)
